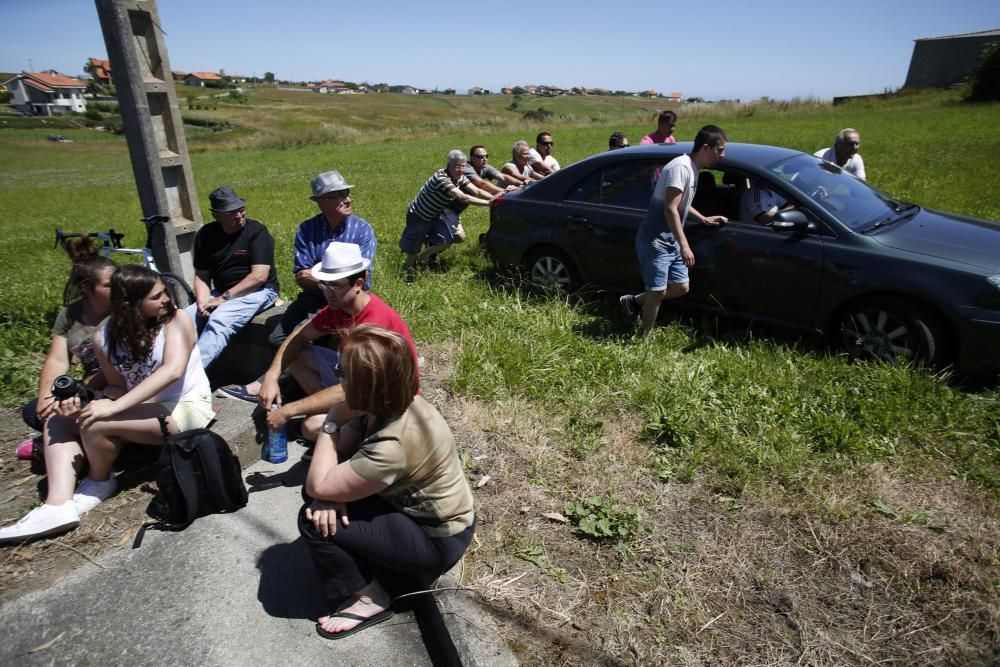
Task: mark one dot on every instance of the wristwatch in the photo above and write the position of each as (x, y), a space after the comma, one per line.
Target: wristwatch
(226, 296)
(330, 427)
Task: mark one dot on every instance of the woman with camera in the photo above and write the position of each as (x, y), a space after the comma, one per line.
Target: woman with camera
(387, 493)
(89, 292)
(148, 356)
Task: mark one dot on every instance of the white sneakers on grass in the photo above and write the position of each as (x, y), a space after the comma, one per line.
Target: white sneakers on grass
(44, 520)
(53, 519)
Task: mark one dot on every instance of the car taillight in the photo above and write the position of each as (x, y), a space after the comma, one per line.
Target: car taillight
(496, 201)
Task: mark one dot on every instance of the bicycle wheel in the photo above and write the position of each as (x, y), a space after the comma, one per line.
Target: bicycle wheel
(180, 293)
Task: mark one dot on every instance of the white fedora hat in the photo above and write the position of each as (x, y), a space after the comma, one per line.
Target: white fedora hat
(339, 261)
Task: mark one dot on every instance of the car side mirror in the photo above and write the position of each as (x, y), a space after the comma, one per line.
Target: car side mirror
(790, 220)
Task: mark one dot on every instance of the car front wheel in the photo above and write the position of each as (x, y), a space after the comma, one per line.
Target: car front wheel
(896, 331)
(551, 269)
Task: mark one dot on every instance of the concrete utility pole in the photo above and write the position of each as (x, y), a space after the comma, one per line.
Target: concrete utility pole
(151, 118)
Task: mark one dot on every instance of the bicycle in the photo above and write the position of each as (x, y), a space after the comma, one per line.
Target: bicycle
(180, 293)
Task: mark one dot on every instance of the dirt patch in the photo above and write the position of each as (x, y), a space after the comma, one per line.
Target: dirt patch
(865, 568)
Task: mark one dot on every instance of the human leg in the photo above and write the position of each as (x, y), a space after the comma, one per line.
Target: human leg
(315, 368)
(63, 458)
(663, 270)
(377, 538)
(413, 238)
(227, 319)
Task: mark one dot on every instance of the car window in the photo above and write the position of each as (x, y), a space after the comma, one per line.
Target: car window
(628, 184)
(852, 201)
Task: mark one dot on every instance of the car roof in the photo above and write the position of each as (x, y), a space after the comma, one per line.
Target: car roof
(751, 157)
(756, 155)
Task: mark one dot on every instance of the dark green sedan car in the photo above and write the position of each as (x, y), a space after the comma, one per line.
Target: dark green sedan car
(882, 278)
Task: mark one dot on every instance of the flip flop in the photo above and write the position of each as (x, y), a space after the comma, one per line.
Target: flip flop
(365, 623)
(239, 391)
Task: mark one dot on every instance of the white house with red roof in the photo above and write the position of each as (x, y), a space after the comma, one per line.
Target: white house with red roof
(201, 78)
(46, 93)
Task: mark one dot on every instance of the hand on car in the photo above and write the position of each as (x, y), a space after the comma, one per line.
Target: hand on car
(715, 220)
(323, 515)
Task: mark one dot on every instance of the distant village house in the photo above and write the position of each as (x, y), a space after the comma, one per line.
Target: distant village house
(201, 78)
(46, 93)
(100, 70)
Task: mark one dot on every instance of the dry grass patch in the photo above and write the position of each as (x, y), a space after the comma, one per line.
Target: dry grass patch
(859, 568)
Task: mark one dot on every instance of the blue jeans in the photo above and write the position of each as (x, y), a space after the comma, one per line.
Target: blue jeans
(231, 316)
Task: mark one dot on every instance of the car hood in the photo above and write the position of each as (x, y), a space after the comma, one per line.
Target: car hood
(952, 237)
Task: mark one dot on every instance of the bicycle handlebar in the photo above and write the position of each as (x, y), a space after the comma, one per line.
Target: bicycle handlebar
(110, 236)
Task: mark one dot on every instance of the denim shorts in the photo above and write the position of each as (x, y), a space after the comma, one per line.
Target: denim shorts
(660, 261)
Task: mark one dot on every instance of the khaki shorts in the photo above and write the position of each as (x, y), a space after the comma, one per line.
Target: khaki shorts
(191, 413)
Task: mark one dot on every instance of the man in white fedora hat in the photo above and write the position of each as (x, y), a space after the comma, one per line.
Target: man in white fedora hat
(341, 275)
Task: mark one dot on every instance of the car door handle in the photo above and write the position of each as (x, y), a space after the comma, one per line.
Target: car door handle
(579, 219)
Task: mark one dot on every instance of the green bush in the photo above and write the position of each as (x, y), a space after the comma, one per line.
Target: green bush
(984, 84)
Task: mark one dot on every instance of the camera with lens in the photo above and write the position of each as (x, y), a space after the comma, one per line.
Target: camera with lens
(66, 387)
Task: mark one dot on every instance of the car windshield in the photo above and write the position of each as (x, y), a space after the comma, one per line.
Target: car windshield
(852, 201)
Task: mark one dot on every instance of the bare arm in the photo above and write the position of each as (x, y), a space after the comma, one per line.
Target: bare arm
(333, 480)
(56, 364)
(289, 351)
(457, 194)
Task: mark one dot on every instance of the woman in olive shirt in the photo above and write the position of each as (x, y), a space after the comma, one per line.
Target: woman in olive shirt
(388, 490)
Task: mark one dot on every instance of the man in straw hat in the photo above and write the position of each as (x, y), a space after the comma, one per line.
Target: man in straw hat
(341, 276)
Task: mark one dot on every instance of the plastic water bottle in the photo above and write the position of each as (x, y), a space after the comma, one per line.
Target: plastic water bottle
(276, 450)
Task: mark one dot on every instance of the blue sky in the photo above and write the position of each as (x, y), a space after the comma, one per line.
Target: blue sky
(743, 49)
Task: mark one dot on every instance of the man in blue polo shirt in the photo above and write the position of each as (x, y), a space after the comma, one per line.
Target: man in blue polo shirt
(335, 222)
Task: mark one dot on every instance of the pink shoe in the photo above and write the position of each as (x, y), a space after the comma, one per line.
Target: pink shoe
(26, 449)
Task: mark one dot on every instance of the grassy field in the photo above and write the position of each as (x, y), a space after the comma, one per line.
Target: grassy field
(770, 502)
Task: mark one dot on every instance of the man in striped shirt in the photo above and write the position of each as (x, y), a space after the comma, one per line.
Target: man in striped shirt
(429, 218)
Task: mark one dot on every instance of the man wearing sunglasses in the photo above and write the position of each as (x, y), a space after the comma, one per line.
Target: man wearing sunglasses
(234, 276)
(341, 276)
(485, 176)
(541, 159)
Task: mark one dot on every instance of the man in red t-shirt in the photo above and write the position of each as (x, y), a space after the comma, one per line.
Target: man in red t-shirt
(341, 276)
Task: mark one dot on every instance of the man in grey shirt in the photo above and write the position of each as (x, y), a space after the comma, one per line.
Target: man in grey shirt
(483, 174)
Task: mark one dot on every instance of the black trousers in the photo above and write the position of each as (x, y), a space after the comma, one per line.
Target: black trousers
(308, 301)
(379, 539)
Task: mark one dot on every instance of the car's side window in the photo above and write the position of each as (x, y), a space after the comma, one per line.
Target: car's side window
(630, 184)
(588, 189)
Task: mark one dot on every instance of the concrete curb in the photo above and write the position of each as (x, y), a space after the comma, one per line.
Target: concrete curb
(464, 626)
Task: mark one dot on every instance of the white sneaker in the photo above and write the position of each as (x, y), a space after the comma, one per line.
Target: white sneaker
(44, 520)
(90, 494)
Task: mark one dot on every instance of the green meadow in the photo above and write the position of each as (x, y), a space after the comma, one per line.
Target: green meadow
(721, 409)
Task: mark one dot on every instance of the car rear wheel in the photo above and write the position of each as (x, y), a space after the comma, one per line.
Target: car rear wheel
(896, 331)
(551, 269)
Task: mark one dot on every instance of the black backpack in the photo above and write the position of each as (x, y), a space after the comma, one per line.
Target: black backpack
(197, 474)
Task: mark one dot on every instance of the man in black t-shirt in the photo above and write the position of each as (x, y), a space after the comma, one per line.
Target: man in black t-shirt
(234, 276)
